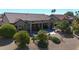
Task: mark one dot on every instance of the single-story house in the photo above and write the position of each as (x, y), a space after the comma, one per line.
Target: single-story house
(29, 22)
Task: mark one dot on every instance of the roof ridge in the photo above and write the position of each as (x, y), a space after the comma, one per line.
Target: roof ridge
(58, 14)
(23, 13)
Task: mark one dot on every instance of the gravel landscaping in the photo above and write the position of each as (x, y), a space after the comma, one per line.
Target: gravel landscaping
(66, 44)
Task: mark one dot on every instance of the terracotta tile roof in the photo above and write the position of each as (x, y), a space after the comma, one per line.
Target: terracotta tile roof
(13, 17)
(59, 16)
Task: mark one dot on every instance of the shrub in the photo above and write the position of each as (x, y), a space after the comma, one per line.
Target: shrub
(62, 25)
(22, 38)
(75, 26)
(42, 39)
(7, 30)
(56, 40)
(42, 35)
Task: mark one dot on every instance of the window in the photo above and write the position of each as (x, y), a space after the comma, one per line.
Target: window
(19, 27)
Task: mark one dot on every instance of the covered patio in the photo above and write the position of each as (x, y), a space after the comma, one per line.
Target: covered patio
(35, 26)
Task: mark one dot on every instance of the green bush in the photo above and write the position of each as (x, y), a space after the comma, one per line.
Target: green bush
(7, 30)
(75, 26)
(42, 35)
(22, 38)
(42, 39)
(62, 25)
(56, 40)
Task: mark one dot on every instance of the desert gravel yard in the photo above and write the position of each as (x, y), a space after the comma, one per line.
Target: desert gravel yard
(66, 44)
(10, 46)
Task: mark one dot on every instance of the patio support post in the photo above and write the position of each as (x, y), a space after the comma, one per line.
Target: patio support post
(39, 25)
(42, 25)
(48, 25)
(30, 28)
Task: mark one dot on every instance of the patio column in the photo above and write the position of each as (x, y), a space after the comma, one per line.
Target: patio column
(48, 25)
(41, 25)
(30, 27)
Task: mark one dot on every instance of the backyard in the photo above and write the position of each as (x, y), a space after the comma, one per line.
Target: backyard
(66, 44)
(62, 34)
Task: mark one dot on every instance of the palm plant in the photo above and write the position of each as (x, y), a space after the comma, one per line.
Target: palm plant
(53, 11)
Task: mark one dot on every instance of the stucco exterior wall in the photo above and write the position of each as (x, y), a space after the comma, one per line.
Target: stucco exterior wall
(21, 25)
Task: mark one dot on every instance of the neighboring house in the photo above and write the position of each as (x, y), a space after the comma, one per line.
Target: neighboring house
(1, 19)
(57, 16)
(61, 17)
(70, 18)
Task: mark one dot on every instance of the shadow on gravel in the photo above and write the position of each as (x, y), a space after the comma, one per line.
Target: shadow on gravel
(5, 41)
(66, 35)
(26, 48)
(43, 48)
(42, 45)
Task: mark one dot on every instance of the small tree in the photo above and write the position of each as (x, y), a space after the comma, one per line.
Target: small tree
(62, 25)
(42, 35)
(42, 39)
(53, 10)
(77, 13)
(22, 38)
(69, 13)
(75, 26)
(7, 30)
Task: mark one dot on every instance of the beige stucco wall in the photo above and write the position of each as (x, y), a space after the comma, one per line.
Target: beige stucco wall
(21, 25)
